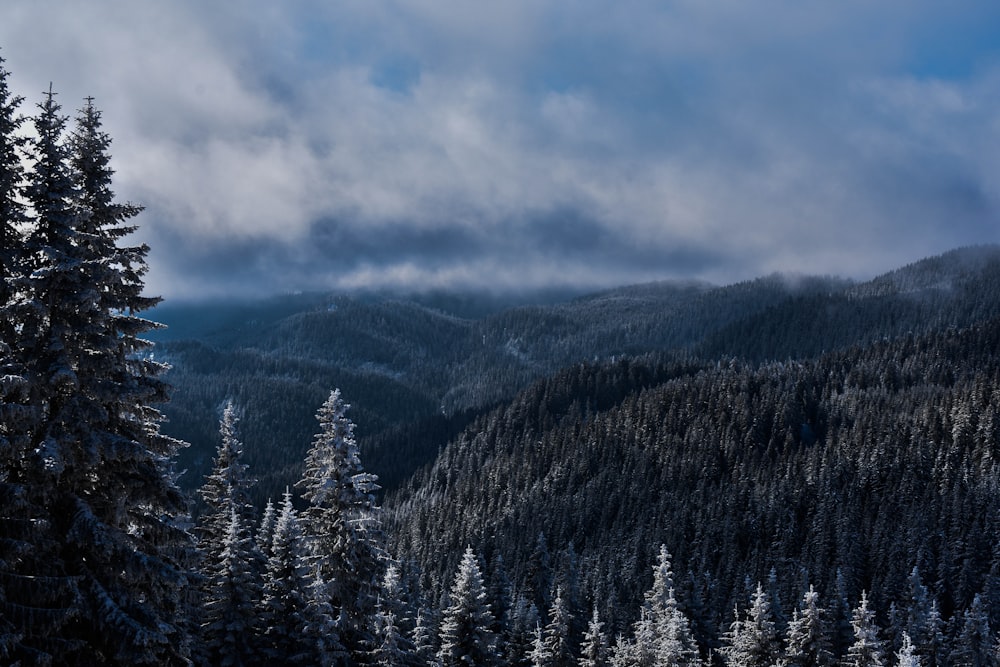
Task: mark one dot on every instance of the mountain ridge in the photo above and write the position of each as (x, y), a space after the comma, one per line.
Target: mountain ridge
(403, 363)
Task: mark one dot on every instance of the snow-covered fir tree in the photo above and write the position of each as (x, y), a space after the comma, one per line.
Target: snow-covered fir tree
(540, 574)
(34, 607)
(394, 597)
(425, 638)
(265, 532)
(13, 215)
(501, 597)
(808, 642)
(231, 632)
(662, 635)
(110, 520)
(284, 612)
(322, 629)
(558, 646)
(229, 484)
(907, 655)
(866, 649)
(595, 650)
(975, 643)
(923, 623)
(343, 525)
(753, 641)
(520, 633)
(538, 656)
(466, 637)
(232, 564)
(392, 648)
(394, 627)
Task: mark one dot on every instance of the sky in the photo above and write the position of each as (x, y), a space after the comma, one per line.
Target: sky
(341, 144)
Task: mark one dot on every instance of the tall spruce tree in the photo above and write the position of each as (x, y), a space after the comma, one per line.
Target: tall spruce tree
(907, 654)
(867, 648)
(96, 461)
(809, 634)
(754, 641)
(466, 637)
(32, 607)
(343, 526)
(284, 612)
(13, 215)
(974, 641)
(231, 632)
(662, 635)
(227, 487)
(393, 623)
(558, 646)
(232, 564)
(265, 532)
(595, 651)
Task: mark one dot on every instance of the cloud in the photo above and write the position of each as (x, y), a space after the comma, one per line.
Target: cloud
(309, 144)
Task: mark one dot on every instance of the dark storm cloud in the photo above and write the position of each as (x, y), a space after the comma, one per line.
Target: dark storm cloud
(308, 145)
(555, 249)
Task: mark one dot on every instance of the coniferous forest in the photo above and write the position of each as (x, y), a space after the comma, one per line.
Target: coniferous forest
(780, 472)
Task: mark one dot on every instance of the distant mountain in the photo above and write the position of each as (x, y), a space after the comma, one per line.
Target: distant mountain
(418, 369)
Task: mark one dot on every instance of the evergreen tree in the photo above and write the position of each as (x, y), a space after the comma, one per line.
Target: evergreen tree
(15, 413)
(343, 526)
(524, 618)
(424, 634)
(777, 610)
(866, 651)
(626, 652)
(265, 533)
(391, 647)
(13, 216)
(595, 651)
(231, 631)
(754, 641)
(935, 652)
(284, 612)
(842, 633)
(32, 608)
(974, 644)
(568, 578)
(921, 621)
(501, 598)
(538, 656)
(99, 467)
(466, 638)
(228, 486)
(322, 629)
(393, 597)
(540, 575)
(233, 566)
(907, 655)
(35, 603)
(808, 635)
(662, 635)
(393, 623)
(558, 649)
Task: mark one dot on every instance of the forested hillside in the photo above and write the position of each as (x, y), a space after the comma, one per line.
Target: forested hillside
(845, 472)
(416, 374)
